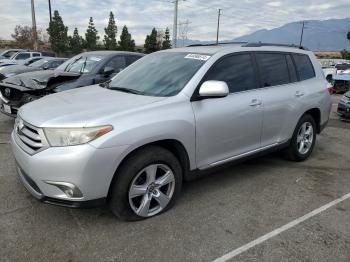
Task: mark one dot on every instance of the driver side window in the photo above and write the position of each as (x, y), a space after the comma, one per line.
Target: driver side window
(236, 70)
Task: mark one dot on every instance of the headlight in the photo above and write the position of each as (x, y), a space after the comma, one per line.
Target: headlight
(345, 99)
(74, 136)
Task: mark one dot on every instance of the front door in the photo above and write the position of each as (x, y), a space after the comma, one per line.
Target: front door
(231, 126)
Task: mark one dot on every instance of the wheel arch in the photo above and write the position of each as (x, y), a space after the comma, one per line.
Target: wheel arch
(316, 115)
(174, 146)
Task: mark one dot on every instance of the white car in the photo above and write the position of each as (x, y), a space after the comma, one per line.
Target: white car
(18, 58)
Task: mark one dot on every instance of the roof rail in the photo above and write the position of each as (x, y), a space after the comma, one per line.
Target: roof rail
(221, 43)
(259, 44)
(251, 44)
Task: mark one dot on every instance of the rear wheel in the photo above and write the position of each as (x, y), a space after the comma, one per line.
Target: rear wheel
(147, 184)
(303, 140)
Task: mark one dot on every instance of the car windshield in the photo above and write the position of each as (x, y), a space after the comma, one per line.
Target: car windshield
(9, 54)
(81, 64)
(39, 63)
(159, 74)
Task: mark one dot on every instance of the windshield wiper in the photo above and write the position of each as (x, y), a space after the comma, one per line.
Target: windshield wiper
(126, 90)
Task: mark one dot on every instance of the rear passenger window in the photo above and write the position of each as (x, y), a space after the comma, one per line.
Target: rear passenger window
(273, 69)
(236, 70)
(291, 67)
(304, 66)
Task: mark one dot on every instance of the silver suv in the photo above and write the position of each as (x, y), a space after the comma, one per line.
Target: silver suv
(133, 141)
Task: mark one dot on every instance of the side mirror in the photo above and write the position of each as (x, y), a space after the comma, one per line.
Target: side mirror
(213, 89)
(107, 71)
(46, 67)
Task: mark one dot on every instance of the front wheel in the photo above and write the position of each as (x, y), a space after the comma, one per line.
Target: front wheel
(303, 140)
(147, 184)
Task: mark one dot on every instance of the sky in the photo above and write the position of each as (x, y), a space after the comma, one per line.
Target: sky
(239, 17)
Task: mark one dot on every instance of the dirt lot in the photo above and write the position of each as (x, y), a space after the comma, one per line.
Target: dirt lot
(216, 214)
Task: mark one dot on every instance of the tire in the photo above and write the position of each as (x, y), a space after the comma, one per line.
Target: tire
(141, 182)
(295, 151)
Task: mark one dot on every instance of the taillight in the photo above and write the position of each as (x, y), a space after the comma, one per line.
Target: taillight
(330, 89)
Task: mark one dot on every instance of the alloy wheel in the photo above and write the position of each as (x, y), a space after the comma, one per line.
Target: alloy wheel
(151, 190)
(305, 138)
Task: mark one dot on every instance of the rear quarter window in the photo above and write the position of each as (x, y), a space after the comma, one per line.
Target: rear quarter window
(304, 67)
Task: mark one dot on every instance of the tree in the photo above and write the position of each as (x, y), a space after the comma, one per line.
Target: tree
(91, 36)
(111, 30)
(76, 42)
(126, 43)
(151, 43)
(166, 40)
(57, 31)
(345, 54)
(23, 36)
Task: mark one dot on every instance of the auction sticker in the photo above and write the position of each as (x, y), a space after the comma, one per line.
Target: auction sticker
(197, 57)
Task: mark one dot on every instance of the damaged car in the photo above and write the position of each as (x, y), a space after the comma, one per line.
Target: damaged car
(82, 70)
(45, 63)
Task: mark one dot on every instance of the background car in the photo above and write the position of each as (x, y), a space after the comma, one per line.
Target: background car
(344, 106)
(82, 70)
(41, 63)
(6, 54)
(19, 56)
(341, 83)
(341, 68)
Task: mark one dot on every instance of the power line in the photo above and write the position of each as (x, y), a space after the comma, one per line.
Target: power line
(184, 30)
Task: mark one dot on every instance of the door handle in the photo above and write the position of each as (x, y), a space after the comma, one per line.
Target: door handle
(299, 94)
(255, 102)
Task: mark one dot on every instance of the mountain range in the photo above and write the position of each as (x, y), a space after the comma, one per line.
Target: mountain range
(319, 35)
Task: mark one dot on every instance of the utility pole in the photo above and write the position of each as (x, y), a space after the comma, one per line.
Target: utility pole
(35, 37)
(50, 11)
(176, 5)
(302, 33)
(218, 28)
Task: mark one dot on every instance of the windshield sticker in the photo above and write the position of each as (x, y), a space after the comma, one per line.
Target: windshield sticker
(94, 58)
(197, 57)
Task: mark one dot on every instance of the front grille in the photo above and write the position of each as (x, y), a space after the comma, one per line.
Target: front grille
(31, 139)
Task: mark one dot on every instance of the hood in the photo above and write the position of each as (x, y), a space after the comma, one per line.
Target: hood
(17, 69)
(86, 106)
(40, 79)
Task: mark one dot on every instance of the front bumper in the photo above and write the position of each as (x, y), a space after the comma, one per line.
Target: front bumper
(13, 106)
(88, 168)
(343, 109)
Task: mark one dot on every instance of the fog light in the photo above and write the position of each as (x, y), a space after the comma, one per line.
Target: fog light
(70, 190)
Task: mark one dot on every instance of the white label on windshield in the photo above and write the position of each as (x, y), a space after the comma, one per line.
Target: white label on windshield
(198, 57)
(93, 58)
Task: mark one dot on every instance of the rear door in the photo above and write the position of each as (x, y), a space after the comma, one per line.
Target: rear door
(231, 126)
(279, 86)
